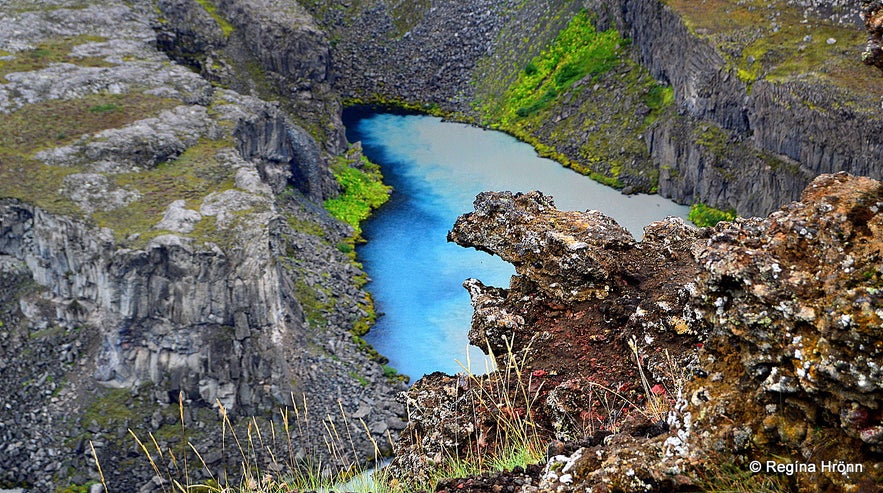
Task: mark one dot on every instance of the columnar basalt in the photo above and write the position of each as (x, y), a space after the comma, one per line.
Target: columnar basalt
(163, 238)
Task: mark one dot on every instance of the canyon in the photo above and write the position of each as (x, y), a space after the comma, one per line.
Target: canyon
(165, 254)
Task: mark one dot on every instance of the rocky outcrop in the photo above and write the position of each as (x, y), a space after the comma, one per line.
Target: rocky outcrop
(273, 49)
(752, 341)
(162, 238)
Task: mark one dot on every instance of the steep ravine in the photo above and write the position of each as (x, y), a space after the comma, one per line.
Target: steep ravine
(743, 131)
(162, 237)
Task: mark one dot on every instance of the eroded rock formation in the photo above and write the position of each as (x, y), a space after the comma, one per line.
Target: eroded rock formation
(758, 339)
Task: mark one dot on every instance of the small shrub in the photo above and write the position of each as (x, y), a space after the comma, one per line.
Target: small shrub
(530, 69)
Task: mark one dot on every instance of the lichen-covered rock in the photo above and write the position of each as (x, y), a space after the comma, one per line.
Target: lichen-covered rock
(797, 330)
(572, 256)
(770, 327)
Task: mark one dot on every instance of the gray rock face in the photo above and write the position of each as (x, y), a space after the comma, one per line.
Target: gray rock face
(94, 192)
(274, 41)
(803, 125)
(184, 252)
(288, 155)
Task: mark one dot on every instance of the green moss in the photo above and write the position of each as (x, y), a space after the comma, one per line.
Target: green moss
(659, 97)
(104, 108)
(363, 191)
(110, 407)
(361, 379)
(53, 50)
(713, 138)
(407, 13)
(212, 10)
(703, 215)
(76, 488)
(314, 302)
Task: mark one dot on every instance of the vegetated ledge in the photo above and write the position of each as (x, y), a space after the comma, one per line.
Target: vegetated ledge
(671, 363)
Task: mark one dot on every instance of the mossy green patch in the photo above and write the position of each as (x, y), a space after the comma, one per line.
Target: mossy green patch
(212, 10)
(196, 173)
(577, 52)
(703, 215)
(363, 191)
(109, 408)
(713, 138)
(316, 302)
(53, 50)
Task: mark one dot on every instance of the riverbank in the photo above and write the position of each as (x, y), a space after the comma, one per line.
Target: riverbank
(436, 169)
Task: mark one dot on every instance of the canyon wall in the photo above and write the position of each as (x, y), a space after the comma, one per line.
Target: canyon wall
(163, 241)
(777, 133)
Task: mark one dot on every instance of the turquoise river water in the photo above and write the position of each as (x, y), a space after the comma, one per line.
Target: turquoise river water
(436, 169)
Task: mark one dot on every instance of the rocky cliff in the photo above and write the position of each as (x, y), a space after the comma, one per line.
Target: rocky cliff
(162, 237)
(765, 96)
(672, 363)
(798, 118)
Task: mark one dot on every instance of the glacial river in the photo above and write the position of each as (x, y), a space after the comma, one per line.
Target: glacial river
(436, 169)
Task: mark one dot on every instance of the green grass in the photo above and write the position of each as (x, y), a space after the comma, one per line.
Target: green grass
(703, 215)
(191, 177)
(40, 126)
(55, 123)
(577, 52)
(363, 191)
(53, 50)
